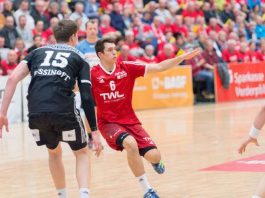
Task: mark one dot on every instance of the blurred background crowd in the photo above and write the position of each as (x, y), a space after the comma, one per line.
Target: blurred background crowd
(147, 31)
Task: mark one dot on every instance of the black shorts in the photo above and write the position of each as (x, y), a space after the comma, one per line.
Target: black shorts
(51, 128)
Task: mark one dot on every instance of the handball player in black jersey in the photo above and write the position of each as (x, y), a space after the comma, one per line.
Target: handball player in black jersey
(53, 117)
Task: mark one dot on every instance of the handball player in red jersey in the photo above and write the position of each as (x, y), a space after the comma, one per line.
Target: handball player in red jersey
(112, 88)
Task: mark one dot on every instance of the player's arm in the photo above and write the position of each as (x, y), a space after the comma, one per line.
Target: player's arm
(254, 131)
(84, 85)
(20, 72)
(169, 63)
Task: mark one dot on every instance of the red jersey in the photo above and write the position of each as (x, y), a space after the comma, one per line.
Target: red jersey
(230, 56)
(8, 67)
(261, 55)
(112, 92)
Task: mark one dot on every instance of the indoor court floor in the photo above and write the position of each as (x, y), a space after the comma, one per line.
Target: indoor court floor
(189, 138)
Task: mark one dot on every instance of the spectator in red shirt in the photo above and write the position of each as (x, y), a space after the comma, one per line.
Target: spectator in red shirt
(10, 64)
(156, 28)
(252, 52)
(213, 26)
(125, 54)
(106, 29)
(133, 44)
(192, 11)
(53, 22)
(178, 26)
(39, 30)
(243, 53)
(166, 53)
(206, 73)
(167, 26)
(20, 49)
(230, 54)
(148, 56)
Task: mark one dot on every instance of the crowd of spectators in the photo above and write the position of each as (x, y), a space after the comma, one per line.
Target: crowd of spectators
(147, 31)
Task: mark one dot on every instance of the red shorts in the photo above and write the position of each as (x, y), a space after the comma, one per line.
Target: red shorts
(111, 132)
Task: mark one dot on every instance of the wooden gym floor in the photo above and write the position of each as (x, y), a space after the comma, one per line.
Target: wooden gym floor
(190, 138)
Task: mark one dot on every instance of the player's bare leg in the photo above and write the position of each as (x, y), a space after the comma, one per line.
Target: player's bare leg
(83, 171)
(57, 170)
(134, 159)
(136, 164)
(260, 119)
(154, 157)
(260, 191)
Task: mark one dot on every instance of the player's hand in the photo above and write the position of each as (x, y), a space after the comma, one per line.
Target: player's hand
(98, 147)
(191, 54)
(3, 122)
(243, 146)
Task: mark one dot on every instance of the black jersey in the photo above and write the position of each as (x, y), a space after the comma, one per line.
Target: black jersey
(54, 70)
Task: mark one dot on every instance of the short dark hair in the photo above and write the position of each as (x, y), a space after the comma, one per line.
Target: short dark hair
(64, 30)
(100, 45)
(91, 21)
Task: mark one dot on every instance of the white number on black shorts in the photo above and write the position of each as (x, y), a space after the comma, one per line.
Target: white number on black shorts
(60, 59)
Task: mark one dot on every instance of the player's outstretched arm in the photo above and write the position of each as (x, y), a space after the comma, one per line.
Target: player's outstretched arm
(254, 131)
(88, 106)
(169, 63)
(17, 75)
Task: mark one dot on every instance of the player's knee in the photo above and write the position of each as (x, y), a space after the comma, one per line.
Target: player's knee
(130, 145)
(153, 154)
(55, 154)
(157, 156)
(83, 151)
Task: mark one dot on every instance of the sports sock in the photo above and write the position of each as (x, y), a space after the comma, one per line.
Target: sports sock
(144, 183)
(84, 192)
(61, 193)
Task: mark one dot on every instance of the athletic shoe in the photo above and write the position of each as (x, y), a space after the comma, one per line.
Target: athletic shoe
(159, 168)
(151, 194)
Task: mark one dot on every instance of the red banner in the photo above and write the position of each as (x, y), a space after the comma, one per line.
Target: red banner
(250, 164)
(247, 82)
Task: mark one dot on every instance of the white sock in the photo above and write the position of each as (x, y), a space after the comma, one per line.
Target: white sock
(256, 196)
(84, 192)
(62, 193)
(144, 182)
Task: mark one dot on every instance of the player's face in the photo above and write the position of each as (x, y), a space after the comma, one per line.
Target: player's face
(92, 29)
(110, 53)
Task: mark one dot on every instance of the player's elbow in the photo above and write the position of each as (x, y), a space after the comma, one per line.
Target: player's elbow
(12, 80)
(85, 97)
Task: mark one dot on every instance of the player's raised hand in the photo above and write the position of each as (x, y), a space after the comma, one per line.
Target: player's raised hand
(191, 54)
(243, 146)
(98, 147)
(3, 122)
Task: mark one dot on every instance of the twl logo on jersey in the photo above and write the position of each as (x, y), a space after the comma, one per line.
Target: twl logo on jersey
(121, 74)
(249, 164)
